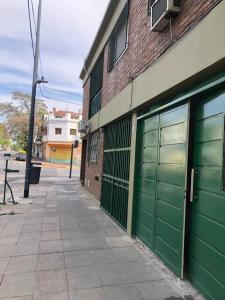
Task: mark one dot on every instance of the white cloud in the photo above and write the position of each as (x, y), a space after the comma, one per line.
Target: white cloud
(67, 31)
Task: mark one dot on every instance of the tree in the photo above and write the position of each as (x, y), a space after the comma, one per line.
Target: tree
(16, 115)
(4, 137)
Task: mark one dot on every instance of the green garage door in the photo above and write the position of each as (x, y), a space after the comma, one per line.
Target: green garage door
(160, 193)
(207, 243)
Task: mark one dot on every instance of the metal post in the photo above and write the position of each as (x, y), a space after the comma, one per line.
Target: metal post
(6, 169)
(71, 161)
(32, 109)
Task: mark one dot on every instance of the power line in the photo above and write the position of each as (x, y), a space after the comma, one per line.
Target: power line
(57, 90)
(55, 99)
(30, 26)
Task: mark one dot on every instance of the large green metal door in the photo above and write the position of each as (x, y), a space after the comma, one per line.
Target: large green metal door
(116, 166)
(161, 179)
(207, 236)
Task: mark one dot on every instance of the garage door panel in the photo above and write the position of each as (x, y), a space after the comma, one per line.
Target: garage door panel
(169, 255)
(211, 288)
(150, 124)
(171, 174)
(212, 106)
(149, 155)
(203, 204)
(169, 234)
(151, 138)
(174, 116)
(145, 235)
(171, 194)
(208, 178)
(205, 153)
(206, 228)
(146, 202)
(148, 170)
(210, 129)
(169, 214)
(173, 154)
(146, 186)
(205, 255)
(145, 218)
(173, 134)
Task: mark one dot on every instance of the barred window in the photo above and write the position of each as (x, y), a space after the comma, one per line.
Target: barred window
(93, 147)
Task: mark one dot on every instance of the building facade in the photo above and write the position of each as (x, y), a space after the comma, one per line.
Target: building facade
(154, 102)
(60, 130)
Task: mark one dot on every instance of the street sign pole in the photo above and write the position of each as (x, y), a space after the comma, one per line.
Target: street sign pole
(32, 109)
(71, 161)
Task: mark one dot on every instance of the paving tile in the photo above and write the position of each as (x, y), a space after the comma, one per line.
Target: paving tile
(51, 246)
(22, 264)
(17, 285)
(6, 250)
(127, 254)
(29, 237)
(11, 230)
(111, 274)
(53, 296)
(71, 234)
(26, 249)
(32, 227)
(89, 294)
(51, 227)
(104, 256)
(157, 290)
(79, 244)
(141, 271)
(33, 220)
(123, 241)
(49, 220)
(78, 258)
(51, 280)
(9, 240)
(3, 264)
(19, 298)
(123, 292)
(51, 236)
(81, 278)
(51, 261)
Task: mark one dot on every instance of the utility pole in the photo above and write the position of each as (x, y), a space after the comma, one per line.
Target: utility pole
(32, 109)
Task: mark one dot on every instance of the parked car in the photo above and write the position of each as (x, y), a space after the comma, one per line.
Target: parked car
(21, 155)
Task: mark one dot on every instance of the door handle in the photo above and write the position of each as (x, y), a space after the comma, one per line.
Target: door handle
(192, 185)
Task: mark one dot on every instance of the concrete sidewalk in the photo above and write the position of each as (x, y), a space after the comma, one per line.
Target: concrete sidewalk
(59, 245)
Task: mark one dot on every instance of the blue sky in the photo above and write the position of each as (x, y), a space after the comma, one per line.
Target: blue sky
(67, 31)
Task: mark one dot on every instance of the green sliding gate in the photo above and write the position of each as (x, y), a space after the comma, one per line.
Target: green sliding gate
(206, 268)
(160, 197)
(115, 179)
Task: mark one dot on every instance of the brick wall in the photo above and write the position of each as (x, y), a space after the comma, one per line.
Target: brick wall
(144, 48)
(92, 170)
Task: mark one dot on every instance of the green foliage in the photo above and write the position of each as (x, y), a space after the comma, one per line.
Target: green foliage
(4, 137)
(17, 114)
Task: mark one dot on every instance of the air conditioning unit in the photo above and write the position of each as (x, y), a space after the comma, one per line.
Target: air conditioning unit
(162, 11)
(82, 125)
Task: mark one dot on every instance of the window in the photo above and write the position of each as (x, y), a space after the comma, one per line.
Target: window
(150, 2)
(118, 38)
(96, 87)
(73, 131)
(58, 130)
(45, 131)
(93, 147)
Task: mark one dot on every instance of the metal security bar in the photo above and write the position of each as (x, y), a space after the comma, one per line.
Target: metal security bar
(95, 104)
(115, 180)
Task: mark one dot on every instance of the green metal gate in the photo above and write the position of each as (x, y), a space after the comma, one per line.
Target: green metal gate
(161, 183)
(116, 165)
(207, 232)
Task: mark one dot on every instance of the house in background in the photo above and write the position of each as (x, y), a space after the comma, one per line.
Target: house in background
(60, 130)
(154, 106)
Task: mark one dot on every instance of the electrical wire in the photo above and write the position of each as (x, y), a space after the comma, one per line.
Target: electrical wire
(30, 26)
(55, 99)
(61, 91)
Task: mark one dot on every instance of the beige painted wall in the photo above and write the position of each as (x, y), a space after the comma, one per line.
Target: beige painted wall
(202, 47)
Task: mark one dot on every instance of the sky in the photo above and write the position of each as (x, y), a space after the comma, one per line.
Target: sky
(68, 28)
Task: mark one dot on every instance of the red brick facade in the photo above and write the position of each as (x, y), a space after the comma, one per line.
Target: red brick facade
(144, 48)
